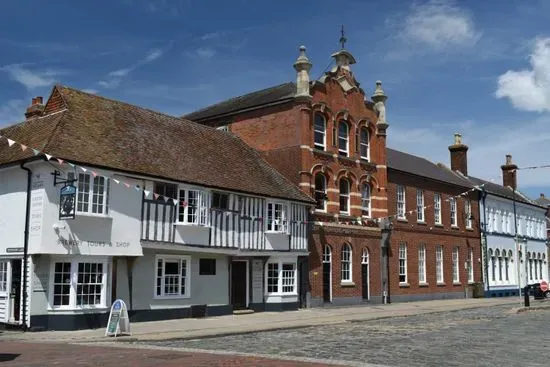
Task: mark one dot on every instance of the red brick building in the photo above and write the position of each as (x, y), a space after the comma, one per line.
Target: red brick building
(330, 140)
(435, 241)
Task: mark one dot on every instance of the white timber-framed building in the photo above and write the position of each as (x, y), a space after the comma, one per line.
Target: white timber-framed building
(174, 218)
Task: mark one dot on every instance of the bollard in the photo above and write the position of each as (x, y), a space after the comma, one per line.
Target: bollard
(526, 296)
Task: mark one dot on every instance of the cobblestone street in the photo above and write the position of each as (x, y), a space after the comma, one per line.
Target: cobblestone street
(492, 336)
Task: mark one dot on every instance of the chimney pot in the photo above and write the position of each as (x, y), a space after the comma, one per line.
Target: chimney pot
(508, 159)
(541, 195)
(458, 139)
(35, 109)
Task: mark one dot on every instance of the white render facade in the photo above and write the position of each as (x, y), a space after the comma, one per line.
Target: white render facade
(207, 252)
(507, 269)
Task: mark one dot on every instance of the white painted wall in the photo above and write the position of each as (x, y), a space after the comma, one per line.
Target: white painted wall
(13, 198)
(114, 234)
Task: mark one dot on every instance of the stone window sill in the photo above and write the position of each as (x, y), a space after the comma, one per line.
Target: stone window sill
(347, 284)
(457, 283)
(421, 222)
(404, 285)
(423, 284)
(441, 284)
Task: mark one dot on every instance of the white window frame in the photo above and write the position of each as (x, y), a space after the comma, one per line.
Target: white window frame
(201, 207)
(346, 276)
(276, 223)
(439, 271)
(74, 261)
(343, 152)
(403, 264)
(468, 213)
(321, 192)
(4, 266)
(471, 267)
(401, 203)
(420, 206)
(346, 196)
(280, 277)
(93, 181)
(187, 280)
(456, 264)
(317, 145)
(437, 208)
(422, 264)
(363, 144)
(454, 221)
(366, 200)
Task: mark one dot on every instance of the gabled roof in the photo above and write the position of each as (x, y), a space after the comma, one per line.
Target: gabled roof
(105, 133)
(422, 167)
(502, 191)
(280, 93)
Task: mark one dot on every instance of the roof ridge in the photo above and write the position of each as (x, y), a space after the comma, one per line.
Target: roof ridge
(175, 118)
(235, 98)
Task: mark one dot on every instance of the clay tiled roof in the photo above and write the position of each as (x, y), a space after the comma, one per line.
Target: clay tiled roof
(419, 166)
(279, 93)
(110, 134)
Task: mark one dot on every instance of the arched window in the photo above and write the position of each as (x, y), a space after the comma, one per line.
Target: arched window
(530, 265)
(346, 263)
(365, 200)
(343, 138)
(493, 265)
(321, 191)
(365, 256)
(327, 254)
(320, 132)
(506, 266)
(499, 258)
(344, 196)
(364, 144)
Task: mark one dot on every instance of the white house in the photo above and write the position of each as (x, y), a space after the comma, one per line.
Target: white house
(175, 218)
(511, 261)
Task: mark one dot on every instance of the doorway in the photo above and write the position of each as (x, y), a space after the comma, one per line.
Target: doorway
(365, 274)
(327, 274)
(239, 284)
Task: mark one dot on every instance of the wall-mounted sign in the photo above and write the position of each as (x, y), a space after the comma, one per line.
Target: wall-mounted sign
(14, 249)
(67, 201)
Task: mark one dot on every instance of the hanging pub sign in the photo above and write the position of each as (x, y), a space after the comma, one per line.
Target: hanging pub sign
(67, 201)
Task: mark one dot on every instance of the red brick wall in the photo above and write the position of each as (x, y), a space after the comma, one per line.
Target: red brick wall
(369, 240)
(413, 234)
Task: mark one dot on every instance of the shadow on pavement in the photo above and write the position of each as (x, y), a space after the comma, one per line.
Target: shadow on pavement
(6, 357)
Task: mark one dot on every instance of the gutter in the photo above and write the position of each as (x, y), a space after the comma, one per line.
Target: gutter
(484, 240)
(26, 244)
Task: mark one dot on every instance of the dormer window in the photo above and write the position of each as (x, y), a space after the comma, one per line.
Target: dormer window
(319, 132)
(343, 138)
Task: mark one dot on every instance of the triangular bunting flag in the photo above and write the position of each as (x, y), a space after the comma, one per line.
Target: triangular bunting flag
(10, 142)
(71, 164)
(146, 193)
(166, 199)
(116, 181)
(60, 160)
(84, 169)
(36, 152)
(48, 156)
(175, 201)
(184, 204)
(94, 173)
(137, 188)
(127, 184)
(23, 147)
(155, 195)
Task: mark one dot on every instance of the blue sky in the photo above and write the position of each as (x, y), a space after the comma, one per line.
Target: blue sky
(478, 68)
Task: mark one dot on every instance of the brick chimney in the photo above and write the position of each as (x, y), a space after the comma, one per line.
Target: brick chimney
(459, 156)
(35, 109)
(509, 173)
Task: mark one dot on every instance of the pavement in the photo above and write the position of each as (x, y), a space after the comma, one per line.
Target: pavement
(185, 329)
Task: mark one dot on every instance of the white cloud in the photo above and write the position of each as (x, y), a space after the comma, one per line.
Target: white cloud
(32, 79)
(204, 53)
(488, 145)
(433, 26)
(90, 90)
(115, 77)
(13, 111)
(529, 89)
(212, 35)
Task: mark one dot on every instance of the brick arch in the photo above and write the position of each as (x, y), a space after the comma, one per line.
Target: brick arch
(347, 174)
(323, 108)
(366, 122)
(319, 167)
(371, 180)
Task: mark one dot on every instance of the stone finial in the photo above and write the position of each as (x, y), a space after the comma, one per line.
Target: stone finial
(379, 94)
(379, 98)
(302, 66)
(458, 139)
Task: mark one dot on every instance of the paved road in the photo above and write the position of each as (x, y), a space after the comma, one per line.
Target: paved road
(21, 354)
(492, 336)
